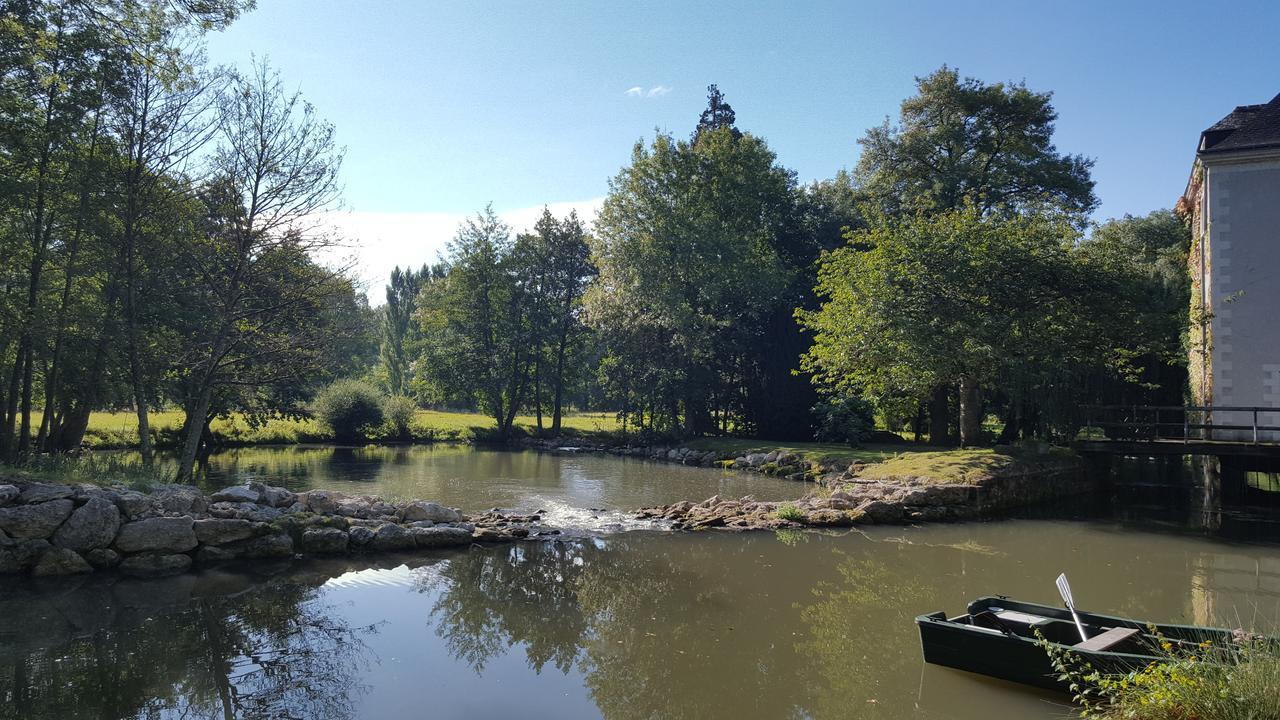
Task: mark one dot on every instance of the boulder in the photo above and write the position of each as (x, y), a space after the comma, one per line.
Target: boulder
(35, 521)
(245, 511)
(208, 555)
(8, 493)
(220, 531)
(18, 555)
(102, 558)
(267, 546)
(238, 494)
(324, 502)
(136, 506)
(92, 525)
(155, 564)
(354, 507)
(324, 540)
(278, 497)
(44, 492)
(431, 537)
(160, 534)
(421, 510)
(61, 561)
(180, 500)
(392, 537)
(359, 535)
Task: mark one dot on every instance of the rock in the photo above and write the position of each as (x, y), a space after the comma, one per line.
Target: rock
(324, 502)
(8, 493)
(324, 540)
(392, 537)
(278, 497)
(220, 531)
(354, 507)
(136, 506)
(180, 500)
(208, 555)
(359, 535)
(102, 558)
(245, 511)
(61, 561)
(92, 525)
(267, 546)
(155, 564)
(383, 509)
(44, 492)
(18, 555)
(238, 494)
(878, 511)
(420, 510)
(430, 537)
(35, 521)
(160, 534)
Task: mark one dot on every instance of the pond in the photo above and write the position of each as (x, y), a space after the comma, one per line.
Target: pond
(566, 486)
(641, 624)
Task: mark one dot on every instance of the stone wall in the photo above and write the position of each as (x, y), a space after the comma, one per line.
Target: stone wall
(54, 529)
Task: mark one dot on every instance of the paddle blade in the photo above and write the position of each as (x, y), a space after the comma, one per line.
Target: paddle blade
(1064, 589)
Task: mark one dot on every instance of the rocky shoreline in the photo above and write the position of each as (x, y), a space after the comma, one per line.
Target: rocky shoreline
(53, 529)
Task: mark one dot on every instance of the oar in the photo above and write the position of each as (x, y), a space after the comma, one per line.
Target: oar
(1064, 588)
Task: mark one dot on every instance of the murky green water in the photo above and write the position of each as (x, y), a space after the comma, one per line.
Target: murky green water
(628, 625)
(474, 478)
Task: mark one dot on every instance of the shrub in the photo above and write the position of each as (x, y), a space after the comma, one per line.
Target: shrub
(398, 413)
(350, 408)
(844, 419)
(788, 511)
(1237, 682)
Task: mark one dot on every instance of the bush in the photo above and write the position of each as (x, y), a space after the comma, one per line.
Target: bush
(350, 408)
(790, 512)
(398, 413)
(846, 419)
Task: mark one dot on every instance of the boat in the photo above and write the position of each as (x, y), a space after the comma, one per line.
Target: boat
(998, 637)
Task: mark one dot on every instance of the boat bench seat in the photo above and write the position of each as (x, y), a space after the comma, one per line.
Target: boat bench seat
(1107, 640)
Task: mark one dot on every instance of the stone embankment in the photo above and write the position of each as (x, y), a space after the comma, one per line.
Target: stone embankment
(53, 529)
(780, 463)
(844, 499)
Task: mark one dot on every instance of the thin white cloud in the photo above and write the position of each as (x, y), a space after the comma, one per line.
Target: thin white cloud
(658, 91)
(377, 242)
(636, 91)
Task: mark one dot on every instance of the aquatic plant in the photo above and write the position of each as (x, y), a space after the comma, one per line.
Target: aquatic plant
(789, 511)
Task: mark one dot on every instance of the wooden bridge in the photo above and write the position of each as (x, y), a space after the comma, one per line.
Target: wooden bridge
(1181, 430)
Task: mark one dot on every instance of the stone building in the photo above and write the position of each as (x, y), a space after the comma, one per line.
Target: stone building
(1233, 204)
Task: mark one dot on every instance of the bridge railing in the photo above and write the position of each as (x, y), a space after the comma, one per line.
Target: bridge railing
(1188, 423)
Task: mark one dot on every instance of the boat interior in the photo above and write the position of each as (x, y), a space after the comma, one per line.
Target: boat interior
(1018, 623)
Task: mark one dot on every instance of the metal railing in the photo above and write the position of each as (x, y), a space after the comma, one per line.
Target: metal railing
(1187, 423)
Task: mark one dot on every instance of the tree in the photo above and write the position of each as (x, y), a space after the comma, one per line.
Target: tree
(474, 324)
(397, 327)
(960, 298)
(276, 166)
(691, 250)
(961, 141)
(719, 114)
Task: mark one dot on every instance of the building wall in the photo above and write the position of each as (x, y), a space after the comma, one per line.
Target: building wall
(1242, 233)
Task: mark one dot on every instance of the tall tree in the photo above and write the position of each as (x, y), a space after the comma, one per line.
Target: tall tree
(276, 166)
(397, 324)
(475, 324)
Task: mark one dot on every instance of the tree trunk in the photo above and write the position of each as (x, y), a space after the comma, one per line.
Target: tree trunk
(537, 388)
(194, 430)
(939, 415)
(559, 384)
(970, 413)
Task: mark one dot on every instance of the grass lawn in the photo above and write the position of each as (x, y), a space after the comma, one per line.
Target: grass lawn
(969, 466)
(811, 451)
(120, 429)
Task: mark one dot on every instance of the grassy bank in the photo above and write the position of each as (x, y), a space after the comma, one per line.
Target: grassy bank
(120, 429)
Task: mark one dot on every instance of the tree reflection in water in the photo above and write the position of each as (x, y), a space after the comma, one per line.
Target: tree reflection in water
(163, 649)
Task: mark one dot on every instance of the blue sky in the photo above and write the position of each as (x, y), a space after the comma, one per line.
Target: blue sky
(444, 107)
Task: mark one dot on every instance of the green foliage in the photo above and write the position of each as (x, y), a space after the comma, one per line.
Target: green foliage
(1240, 681)
(844, 419)
(789, 511)
(351, 409)
(398, 413)
(962, 140)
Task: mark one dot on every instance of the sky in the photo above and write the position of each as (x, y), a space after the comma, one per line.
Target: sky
(444, 107)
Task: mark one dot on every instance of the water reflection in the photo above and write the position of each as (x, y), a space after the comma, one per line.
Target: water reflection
(636, 625)
(216, 646)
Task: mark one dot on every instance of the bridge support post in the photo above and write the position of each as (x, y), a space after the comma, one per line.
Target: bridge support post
(1206, 492)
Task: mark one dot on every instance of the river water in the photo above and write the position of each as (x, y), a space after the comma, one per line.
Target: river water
(640, 624)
